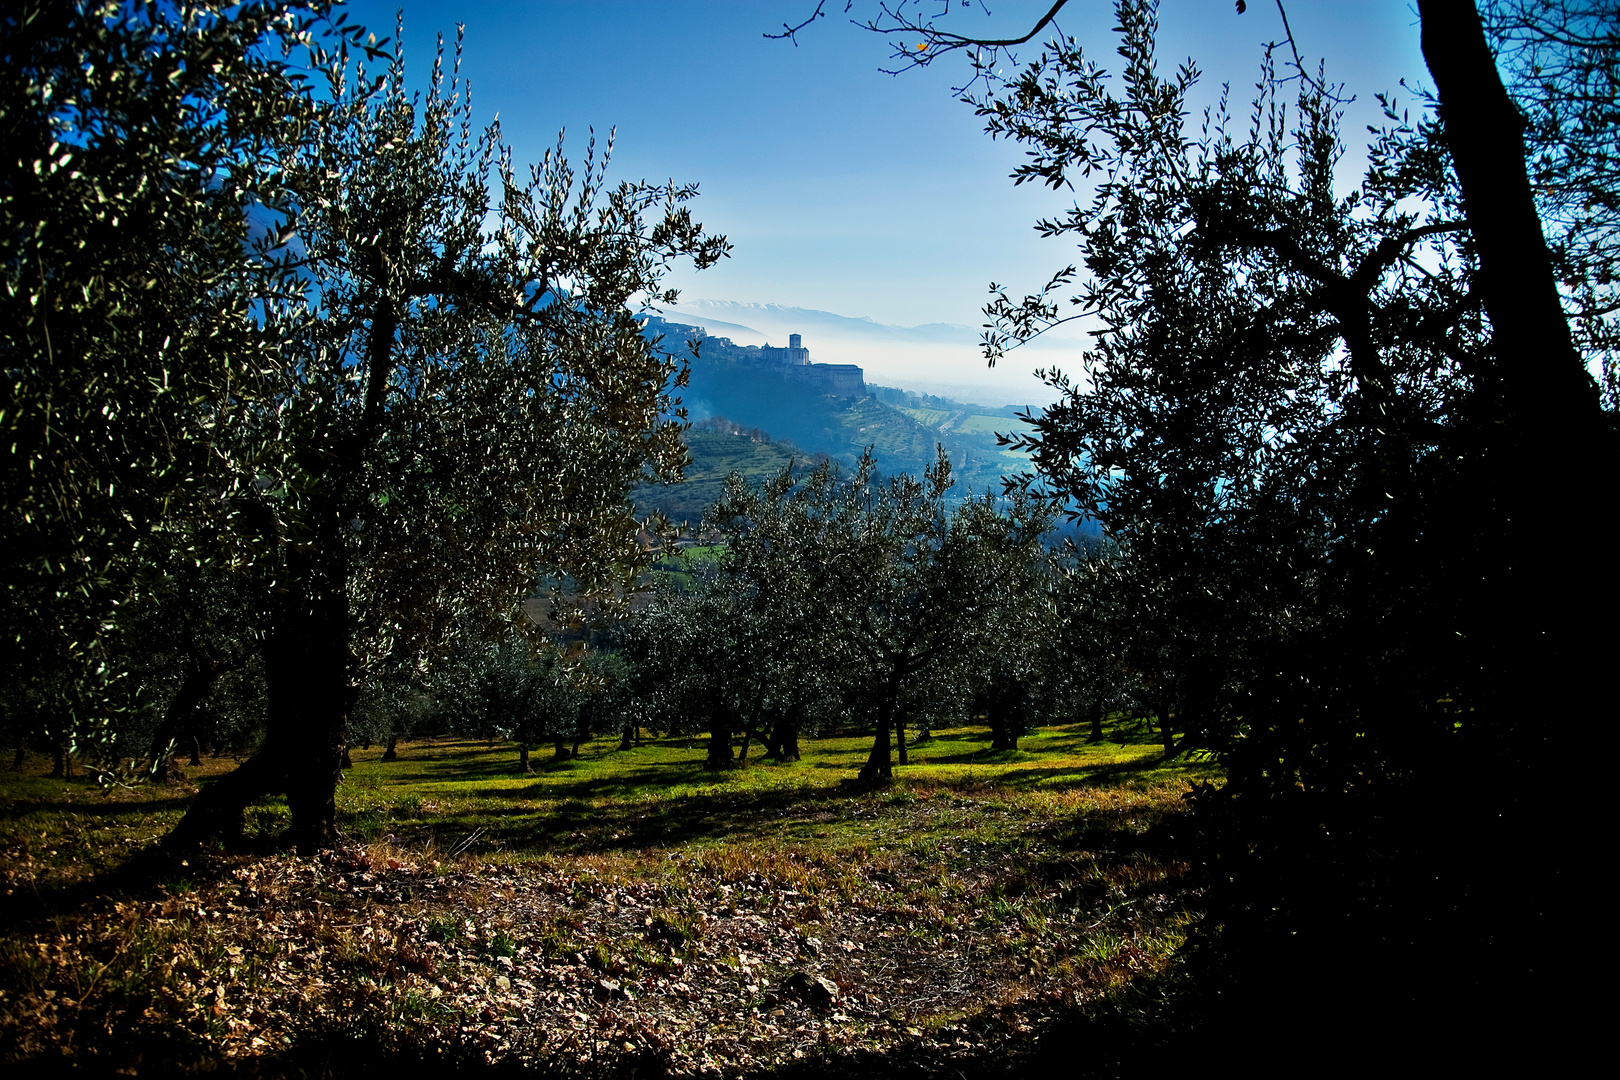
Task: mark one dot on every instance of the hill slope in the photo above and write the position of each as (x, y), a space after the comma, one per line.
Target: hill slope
(715, 456)
(903, 429)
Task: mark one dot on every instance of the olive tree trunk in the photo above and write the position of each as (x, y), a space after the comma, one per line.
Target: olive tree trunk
(307, 683)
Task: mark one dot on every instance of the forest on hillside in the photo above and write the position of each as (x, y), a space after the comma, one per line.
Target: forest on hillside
(369, 710)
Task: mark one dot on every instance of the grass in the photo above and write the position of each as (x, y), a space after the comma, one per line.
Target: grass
(928, 417)
(662, 793)
(980, 424)
(958, 905)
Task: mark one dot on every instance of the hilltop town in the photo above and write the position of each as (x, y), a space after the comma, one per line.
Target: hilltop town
(792, 362)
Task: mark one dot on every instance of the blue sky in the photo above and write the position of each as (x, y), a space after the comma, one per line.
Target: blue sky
(842, 189)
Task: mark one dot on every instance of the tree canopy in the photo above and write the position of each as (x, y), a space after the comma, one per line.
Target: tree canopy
(1333, 431)
(132, 324)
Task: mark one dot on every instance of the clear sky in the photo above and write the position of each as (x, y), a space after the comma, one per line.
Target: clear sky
(841, 188)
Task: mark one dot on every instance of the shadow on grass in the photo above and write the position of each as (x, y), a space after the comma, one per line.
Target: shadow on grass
(607, 802)
(103, 809)
(625, 826)
(602, 803)
(1105, 774)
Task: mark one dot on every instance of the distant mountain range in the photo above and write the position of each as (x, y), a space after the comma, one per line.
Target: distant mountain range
(780, 320)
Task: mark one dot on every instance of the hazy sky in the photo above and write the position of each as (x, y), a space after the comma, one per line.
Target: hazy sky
(841, 188)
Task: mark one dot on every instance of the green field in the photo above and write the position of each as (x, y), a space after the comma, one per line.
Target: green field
(981, 424)
(626, 909)
(928, 417)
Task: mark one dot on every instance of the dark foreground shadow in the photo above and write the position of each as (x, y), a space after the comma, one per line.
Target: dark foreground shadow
(1277, 1023)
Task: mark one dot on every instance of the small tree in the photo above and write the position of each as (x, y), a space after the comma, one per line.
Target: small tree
(1015, 666)
(513, 688)
(691, 665)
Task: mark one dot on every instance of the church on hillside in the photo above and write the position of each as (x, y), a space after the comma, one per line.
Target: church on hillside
(793, 362)
(839, 380)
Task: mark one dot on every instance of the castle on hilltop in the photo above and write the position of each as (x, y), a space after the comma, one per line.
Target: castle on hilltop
(793, 362)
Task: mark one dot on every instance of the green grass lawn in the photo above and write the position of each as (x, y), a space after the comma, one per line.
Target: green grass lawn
(662, 792)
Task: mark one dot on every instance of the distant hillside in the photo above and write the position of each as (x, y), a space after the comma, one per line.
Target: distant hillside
(726, 382)
(909, 400)
(716, 454)
(941, 358)
(902, 428)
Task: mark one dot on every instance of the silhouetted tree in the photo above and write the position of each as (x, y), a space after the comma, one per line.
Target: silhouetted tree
(1313, 423)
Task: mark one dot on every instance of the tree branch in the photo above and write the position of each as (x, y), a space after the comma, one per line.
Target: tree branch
(790, 32)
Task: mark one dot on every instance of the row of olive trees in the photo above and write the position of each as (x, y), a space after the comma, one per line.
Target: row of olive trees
(844, 603)
(276, 318)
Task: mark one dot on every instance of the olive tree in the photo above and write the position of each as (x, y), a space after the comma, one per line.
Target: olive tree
(1340, 437)
(722, 658)
(132, 329)
(902, 582)
(1560, 61)
(512, 688)
(461, 400)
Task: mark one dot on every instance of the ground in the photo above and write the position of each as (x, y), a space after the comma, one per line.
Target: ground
(629, 913)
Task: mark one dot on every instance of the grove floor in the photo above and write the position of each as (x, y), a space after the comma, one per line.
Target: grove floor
(627, 913)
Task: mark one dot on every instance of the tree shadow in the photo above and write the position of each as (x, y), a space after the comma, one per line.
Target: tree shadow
(569, 824)
(106, 809)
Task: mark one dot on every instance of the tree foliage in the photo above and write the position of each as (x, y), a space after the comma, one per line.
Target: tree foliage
(131, 324)
(1311, 423)
(334, 345)
(892, 584)
(1561, 62)
(463, 400)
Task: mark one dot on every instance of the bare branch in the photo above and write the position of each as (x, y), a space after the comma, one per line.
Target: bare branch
(791, 32)
(1331, 94)
(957, 41)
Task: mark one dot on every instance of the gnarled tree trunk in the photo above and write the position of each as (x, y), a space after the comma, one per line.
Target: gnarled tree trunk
(307, 684)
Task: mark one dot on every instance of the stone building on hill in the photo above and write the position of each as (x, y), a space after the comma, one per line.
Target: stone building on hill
(839, 380)
(793, 362)
(795, 355)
